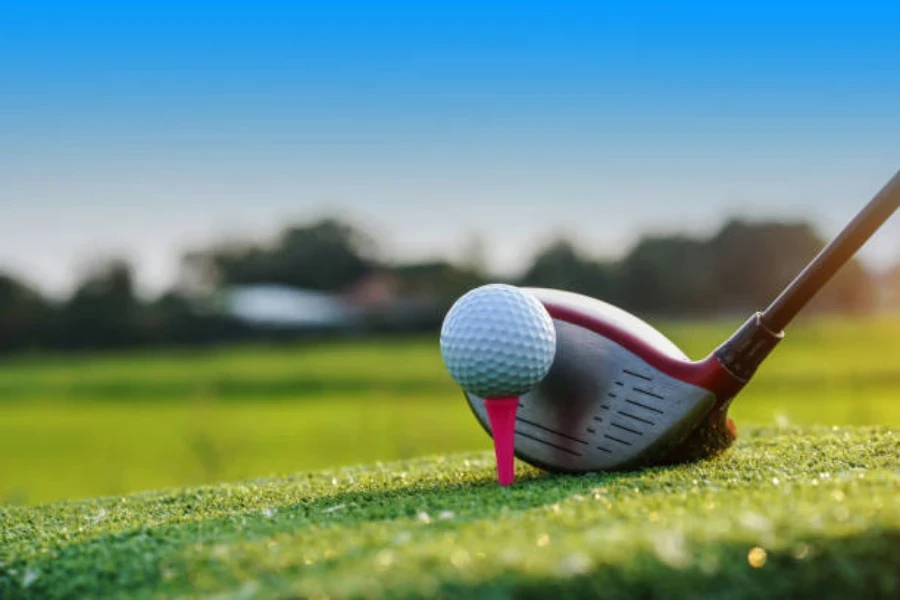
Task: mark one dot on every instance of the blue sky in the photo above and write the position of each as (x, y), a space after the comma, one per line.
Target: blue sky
(146, 130)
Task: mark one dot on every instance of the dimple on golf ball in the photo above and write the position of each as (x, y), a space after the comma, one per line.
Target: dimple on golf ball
(498, 341)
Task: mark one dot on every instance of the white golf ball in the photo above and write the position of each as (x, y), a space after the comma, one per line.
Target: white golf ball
(498, 341)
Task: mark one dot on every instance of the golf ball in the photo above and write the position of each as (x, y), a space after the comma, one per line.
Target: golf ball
(498, 341)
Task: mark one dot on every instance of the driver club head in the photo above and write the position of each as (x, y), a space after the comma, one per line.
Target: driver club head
(619, 394)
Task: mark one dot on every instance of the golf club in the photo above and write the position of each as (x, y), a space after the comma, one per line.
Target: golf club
(621, 395)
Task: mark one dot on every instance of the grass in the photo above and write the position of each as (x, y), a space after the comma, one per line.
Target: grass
(83, 426)
(789, 512)
(801, 507)
(76, 450)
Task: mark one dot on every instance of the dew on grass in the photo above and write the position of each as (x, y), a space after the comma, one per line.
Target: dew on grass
(574, 564)
(402, 538)
(671, 548)
(755, 521)
(384, 559)
(97, 517)
(248, 590)
(30, 576)
(459, 558)
(757, 557)
(510, 556)
(709, 564)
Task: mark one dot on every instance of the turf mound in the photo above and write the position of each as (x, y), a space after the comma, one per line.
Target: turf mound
(788, 512)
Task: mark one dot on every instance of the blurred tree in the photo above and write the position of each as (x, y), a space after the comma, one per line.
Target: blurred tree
(24, 315)
(413, 296)
(754, 261)
(474, 255)
(441, 280)
(326, 255)
(560, 265)
(175, 319)
(892, 286)
(669, 274)
(103, 312)
(853, 290)
(740, 269)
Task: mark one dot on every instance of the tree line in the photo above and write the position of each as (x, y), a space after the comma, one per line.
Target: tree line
(738, 269)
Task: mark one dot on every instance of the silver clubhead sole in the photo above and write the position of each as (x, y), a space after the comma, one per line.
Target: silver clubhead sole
(600, 408)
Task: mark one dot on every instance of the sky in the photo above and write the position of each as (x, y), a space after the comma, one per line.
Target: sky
(149, 129)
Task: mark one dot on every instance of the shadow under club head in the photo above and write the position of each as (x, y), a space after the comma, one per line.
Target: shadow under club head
(619, 395)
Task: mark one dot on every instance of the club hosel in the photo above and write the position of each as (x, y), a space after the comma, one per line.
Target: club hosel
(747, 348)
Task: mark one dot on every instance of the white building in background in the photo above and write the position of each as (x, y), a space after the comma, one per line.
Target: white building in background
(374, 302)
(286, 307)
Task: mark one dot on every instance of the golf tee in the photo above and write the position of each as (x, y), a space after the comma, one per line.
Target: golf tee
(502, 415)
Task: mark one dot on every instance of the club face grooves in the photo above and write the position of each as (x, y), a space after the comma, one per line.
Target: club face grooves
(628, 429)
(635, 417)
(546, 443)
(638, 375)
(548, 430)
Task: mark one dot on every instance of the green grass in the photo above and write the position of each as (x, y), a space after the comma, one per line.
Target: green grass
(800, 507)
(79, 450)
(789, 512)
(74, 427)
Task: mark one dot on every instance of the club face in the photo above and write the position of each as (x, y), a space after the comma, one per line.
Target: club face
(601, 407)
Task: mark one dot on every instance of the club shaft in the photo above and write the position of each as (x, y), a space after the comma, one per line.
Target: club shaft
(823, 267)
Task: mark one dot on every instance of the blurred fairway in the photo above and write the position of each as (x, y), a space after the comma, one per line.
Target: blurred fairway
(74, 427)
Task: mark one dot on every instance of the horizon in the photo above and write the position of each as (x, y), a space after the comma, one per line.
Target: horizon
(146, 132)
(84, 267)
